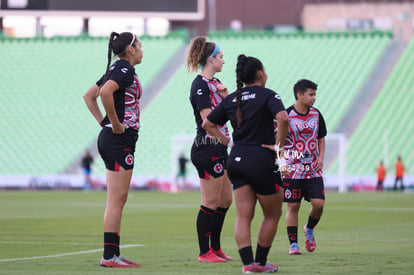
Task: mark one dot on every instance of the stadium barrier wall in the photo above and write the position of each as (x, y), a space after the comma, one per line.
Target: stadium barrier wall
(167, 183)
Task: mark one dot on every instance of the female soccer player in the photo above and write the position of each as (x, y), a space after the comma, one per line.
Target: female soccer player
(305, 144)
(251, 167)
(120, 90)
(207, 154)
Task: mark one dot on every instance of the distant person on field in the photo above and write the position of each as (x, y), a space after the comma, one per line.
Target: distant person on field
(182, 170)
(86, 165)
(120, 90)
(381, 171)
(399, 173)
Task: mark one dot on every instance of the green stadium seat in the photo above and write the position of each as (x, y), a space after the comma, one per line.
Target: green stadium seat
(52, 127)
(46, 123)
(338, 63)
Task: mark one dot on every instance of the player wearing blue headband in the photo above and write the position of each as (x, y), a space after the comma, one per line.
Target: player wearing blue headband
(207, 154)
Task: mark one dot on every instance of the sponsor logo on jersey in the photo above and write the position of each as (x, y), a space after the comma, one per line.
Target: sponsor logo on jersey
(124, 70)
(199, 92)
(246, 96)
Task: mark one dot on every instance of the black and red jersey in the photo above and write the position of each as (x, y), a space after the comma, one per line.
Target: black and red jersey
(259, 106)
(204, 95)
(126, 99)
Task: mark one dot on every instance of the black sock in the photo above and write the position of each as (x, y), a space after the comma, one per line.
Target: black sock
(111, 245)
(292, 232)
(217, 227)
(246, 255)
(204, 225)
(261, 254)
(312, 222)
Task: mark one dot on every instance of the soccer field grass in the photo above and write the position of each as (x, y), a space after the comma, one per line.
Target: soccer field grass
(54, 232)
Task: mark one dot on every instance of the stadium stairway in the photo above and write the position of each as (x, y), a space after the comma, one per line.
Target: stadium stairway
(387, 129)
(371, 88)
(367, 94)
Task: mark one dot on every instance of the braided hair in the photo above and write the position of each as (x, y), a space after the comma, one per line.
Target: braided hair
(246, 70)
(118, 44)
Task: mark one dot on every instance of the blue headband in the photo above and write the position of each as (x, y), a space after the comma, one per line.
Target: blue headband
(216, 50)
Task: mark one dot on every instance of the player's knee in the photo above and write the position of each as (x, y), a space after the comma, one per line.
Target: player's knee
(211, 203)
(318, 204)
(294, 208)
(226, 202)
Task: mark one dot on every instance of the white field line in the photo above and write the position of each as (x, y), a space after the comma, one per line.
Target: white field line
(64, 254)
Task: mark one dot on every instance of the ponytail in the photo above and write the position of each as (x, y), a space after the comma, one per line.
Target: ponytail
(112, 37)
(118, 44)
(198, 53)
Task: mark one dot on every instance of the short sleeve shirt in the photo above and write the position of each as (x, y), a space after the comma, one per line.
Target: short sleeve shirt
(126, 99)
(301, 145)
(204, 95)
(259, 106)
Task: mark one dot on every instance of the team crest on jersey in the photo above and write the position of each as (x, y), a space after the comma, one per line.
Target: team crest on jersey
(129, 159)
(288, 194)
(218, 168)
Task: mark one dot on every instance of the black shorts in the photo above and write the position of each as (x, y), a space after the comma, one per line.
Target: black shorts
(209, 158)
(117, 150)
(255, 166)
(296, 189)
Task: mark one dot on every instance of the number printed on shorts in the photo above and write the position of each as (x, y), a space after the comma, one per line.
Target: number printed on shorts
(292, 194)
(296, 194)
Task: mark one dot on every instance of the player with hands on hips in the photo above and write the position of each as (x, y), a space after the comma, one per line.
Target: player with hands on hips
(120, 91)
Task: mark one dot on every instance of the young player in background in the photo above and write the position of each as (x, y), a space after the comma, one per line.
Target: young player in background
(252, 171)
(120, 90)
(305, 150)
(207, 154)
